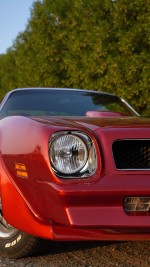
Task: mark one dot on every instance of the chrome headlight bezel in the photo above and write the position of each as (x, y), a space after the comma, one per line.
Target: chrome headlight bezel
(85, 168)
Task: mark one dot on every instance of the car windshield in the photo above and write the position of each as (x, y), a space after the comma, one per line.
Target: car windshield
(54, 102)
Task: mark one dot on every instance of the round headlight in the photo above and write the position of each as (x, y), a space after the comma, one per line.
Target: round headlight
(68, 153)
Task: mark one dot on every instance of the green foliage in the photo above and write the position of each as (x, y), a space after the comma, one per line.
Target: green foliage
(100, 44)
(8, 78)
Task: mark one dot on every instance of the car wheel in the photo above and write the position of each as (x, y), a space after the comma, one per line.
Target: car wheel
(15, 243)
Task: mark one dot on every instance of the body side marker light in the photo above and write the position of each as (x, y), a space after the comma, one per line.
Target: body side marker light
(21, 170)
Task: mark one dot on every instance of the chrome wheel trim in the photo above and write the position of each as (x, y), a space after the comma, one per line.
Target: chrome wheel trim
(6, 230)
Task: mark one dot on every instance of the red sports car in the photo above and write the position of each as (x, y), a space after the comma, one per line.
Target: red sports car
(75, 165)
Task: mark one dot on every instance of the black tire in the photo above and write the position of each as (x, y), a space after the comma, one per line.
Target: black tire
(15, 243)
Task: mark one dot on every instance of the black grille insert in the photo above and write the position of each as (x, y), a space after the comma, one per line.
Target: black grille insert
(132, 154)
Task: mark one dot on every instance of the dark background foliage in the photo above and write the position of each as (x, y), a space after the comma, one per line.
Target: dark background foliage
(100, 44)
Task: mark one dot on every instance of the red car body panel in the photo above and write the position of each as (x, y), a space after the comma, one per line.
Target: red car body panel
(71, 209)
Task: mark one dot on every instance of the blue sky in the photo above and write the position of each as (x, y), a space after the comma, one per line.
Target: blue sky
(14, 15)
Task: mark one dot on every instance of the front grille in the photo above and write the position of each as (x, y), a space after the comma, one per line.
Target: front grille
(132, 154)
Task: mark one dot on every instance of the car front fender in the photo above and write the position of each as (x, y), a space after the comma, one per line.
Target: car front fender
(17, 211)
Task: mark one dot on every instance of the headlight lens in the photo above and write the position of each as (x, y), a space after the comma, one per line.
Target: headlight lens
(72, 153)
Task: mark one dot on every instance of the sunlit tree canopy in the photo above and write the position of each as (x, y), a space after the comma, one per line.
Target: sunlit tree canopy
(102, 45)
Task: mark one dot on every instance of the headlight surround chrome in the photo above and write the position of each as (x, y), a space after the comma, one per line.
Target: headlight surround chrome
(72, 154)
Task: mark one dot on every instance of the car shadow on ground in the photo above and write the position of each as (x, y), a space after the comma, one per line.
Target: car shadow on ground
(53, 247)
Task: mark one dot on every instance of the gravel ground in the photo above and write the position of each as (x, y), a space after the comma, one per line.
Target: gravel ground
(87, 254)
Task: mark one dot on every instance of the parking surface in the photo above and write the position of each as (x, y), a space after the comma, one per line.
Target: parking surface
(87, 254)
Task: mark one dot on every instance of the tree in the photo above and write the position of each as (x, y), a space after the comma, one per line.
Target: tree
(131, 23)
(101, 44)
(8, 75)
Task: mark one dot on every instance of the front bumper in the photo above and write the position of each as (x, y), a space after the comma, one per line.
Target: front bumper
(95, 211)
(99, 204)
(64, 233)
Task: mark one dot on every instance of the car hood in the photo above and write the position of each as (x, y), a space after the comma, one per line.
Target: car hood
(95, 123)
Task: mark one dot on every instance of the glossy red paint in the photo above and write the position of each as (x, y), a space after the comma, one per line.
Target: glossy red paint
(16, 210)
(71, 209)
(104, 114)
